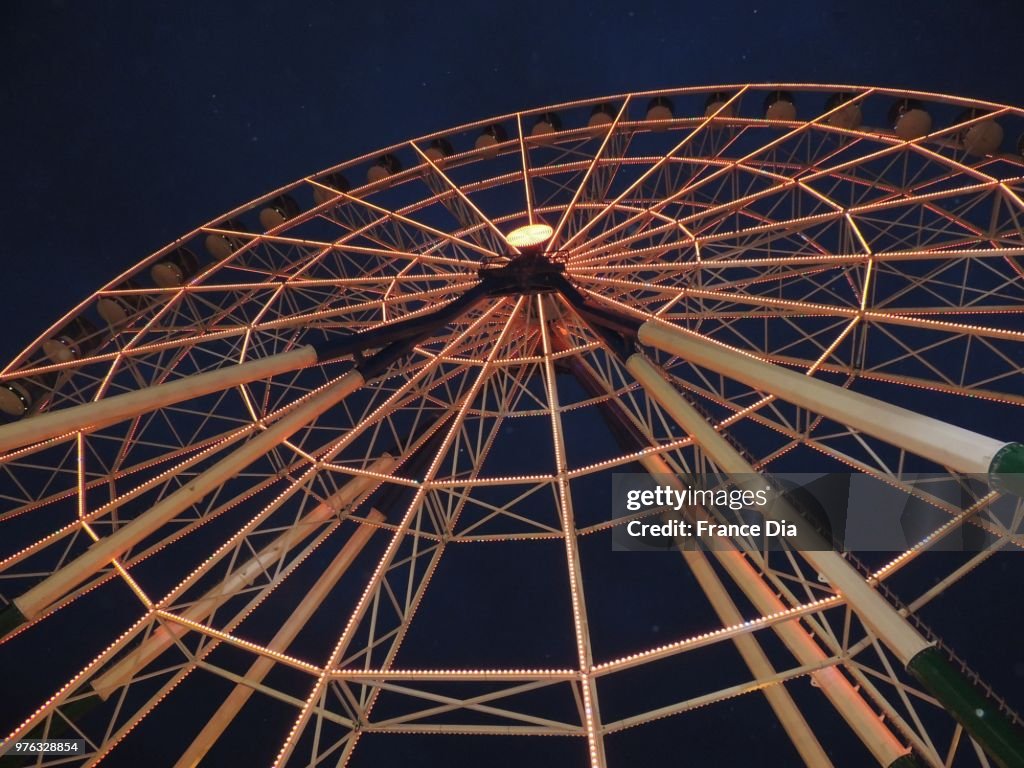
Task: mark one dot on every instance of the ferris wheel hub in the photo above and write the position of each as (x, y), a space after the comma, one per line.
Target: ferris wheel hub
(526, 273)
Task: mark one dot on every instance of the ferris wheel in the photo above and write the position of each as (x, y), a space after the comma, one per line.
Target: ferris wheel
(326, 480)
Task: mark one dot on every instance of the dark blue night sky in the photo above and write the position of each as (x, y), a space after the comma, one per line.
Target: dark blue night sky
(127, 124)
(124, 125)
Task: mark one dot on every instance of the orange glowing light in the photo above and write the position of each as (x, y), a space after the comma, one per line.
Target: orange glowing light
(529, 236)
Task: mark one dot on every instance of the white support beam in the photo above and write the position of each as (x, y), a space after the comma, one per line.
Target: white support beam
(259, 669)
(110, 410)
(837, 689)
(881, 617)
(32, 602)
(946, 444)
(884, 620)
(243, 576)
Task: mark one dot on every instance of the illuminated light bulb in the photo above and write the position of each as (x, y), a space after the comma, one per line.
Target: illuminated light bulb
(529, 237)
